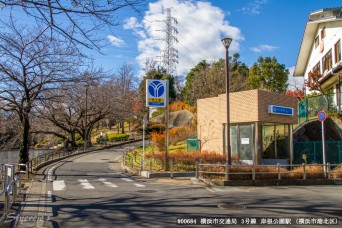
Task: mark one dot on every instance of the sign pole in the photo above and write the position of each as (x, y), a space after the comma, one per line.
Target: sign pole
(322, 115)
(167, 127)
(144, 122)
(323, 145)
(157, 95)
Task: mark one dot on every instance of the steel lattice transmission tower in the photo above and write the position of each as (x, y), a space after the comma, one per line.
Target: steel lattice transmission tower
(170, 53)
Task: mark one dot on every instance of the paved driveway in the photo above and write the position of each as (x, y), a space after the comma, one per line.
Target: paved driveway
(93, 191)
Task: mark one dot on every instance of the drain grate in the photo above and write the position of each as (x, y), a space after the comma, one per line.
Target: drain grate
(147, 191)
(229, 206)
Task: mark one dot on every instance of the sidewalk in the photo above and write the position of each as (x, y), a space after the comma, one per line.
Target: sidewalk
(33, 211)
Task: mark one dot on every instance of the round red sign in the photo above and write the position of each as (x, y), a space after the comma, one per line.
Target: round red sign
(322, 115)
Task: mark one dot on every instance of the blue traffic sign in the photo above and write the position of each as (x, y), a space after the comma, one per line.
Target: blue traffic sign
(156, 91)
(322, 115)
(280, 110)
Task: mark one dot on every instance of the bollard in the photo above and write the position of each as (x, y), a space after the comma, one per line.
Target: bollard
(171, 169)
(304, 172)
(328, 170)
(197, 170)
(279, 174)
(227, 171)
(151, 166)
(253, 172)
(19, 180)
(15, 190)
(7, 201)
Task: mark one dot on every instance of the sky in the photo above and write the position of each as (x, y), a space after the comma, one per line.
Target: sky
(258, 28)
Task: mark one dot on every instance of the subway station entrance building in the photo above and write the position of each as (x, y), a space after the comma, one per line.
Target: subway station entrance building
(260, 126)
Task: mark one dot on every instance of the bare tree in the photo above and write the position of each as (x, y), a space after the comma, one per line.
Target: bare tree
(78, 21)
(9, 137)
(31, 65)
(125, 85)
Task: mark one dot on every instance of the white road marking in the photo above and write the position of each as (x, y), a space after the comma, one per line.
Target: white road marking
(126, 179)
(210, 189)
(109, 184)
(50, 173)
(59, 185)
(140, 185)
(85, 184)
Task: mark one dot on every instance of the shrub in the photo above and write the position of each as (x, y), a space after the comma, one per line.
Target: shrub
(79, 143)
(158, 112)
(155, 128)
(158, 140)
(118, 137)
(337, 172)
(99, 139)
(59, 140)
(178, 134)
(180, 105)
(59, 148)
(312, 172)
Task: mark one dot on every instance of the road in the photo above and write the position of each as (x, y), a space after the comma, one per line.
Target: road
(94, 191)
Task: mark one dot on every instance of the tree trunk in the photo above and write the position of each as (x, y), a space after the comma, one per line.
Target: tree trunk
(73, 139)
(123, 127)
(24, 141)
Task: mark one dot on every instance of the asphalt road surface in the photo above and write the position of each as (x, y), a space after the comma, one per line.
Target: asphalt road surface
(94, 191)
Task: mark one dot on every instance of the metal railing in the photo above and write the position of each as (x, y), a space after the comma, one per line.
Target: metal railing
(269, 172)
(11, 177)
(310, 106)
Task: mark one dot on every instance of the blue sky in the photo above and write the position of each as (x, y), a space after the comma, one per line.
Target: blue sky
(258, 28)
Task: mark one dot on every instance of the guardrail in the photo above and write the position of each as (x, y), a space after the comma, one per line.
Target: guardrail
(269, 172)
(11, 186)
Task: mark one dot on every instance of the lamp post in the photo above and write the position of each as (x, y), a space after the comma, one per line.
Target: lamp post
(226, 42)
(85, 118)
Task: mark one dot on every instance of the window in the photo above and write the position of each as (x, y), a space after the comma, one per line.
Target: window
(327, 61)
(337, 50)
(317, 68)
(323, 33)
(316, 41)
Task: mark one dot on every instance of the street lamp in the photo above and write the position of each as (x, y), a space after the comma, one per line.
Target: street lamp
(85, 118)
(226, 42)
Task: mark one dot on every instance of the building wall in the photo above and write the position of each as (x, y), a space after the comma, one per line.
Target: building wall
(209, 127)
(245, 107)
(333, 33)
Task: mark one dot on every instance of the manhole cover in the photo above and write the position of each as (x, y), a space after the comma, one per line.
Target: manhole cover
(147, 191)
(229, 206)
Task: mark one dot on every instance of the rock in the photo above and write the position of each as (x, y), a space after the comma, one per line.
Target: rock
(178, 118)
(312, 131)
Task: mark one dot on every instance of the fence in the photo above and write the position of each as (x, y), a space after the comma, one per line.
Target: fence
(309, 107)
(268, 172)
(311, 152)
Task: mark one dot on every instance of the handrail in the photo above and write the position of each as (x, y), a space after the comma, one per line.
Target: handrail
(282, 171)
(10, 191)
